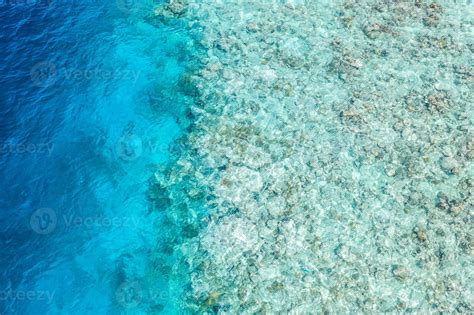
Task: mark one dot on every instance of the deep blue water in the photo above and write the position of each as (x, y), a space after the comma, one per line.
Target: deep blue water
(89, 107)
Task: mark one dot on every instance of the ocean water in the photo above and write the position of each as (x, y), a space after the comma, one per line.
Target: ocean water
(89, 109)
(237, 157)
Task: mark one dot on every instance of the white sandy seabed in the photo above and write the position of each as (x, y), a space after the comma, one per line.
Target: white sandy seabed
(333, 151)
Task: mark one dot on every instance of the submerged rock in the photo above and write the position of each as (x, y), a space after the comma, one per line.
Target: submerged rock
(176, 7)
(323, 142)
(400, 272)
(437, 102)
(420, 233)
(375, 30)
(294, 52)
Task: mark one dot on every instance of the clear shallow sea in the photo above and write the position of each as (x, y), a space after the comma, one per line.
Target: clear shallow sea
(334, 141)
(89, 106)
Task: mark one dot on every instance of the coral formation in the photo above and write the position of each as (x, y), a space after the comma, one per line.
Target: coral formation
(329, 167)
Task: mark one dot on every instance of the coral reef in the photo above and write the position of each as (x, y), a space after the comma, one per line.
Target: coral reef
(329, 167)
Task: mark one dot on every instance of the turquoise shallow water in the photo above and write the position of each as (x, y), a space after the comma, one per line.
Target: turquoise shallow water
(333, 148)
(90, 108)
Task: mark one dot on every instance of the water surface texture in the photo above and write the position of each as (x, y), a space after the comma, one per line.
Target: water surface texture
(89, 109)
(237, 157)
(333, 149)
